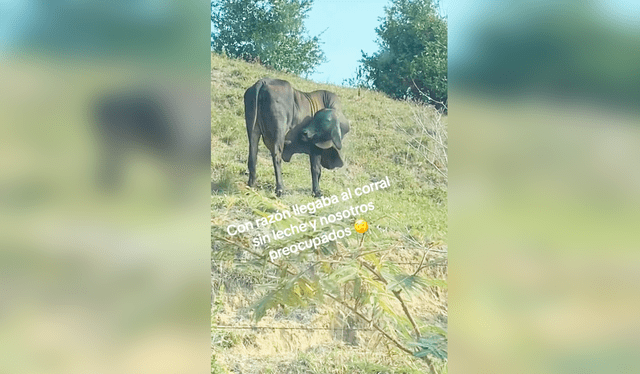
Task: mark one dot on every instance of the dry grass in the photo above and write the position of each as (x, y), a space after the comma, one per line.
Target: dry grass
(406, 142)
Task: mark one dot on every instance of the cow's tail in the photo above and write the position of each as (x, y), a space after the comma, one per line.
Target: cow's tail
(251, 106)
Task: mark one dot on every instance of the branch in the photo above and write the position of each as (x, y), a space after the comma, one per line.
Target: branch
(406, 312)
(426, 156)
(373, 324)
(421, 262)
(427, 96)
(354, 310)
(397, 295)
(254, 253)
(371, 269)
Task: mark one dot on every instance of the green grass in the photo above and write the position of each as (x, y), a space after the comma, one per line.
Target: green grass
(400, 140)
(380, 143)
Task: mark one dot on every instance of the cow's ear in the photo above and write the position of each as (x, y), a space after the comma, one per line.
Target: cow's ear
(331, 159)
(335, 136)
(344, 123)
(344, 127)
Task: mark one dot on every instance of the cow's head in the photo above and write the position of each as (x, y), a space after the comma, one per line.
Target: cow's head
(326, 132)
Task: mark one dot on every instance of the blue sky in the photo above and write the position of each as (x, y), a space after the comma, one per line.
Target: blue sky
(350, 27)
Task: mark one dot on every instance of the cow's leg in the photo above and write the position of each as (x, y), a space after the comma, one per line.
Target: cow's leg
(254, 139)
(316, 170)
(277, 166)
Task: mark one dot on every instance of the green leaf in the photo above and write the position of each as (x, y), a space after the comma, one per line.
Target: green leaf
(383, 302)
(346, 273)
(412, 59)
(413, 283)
(434, 345)
(264, 304)
(373, 258)
(357, 288)
(270, 31)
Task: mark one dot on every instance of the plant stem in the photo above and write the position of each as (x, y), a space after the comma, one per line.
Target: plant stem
(397, 295)
(406, 312)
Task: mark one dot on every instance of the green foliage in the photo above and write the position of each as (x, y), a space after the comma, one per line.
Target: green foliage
(224, 338)
(367, 285)
(215, 367)
(434, 345)
(296, 291)
(269, 31)
(412, 59)
(333, 278)
(560, 51)
(218, 304)
(341, 363)
(364, 367)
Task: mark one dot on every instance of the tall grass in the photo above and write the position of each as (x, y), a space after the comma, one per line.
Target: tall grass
(404, 141)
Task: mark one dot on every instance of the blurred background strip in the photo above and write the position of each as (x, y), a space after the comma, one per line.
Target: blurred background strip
(544, 180)
(104, 197)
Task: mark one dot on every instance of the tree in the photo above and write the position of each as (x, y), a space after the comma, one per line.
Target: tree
(412, 59)
(269, 31)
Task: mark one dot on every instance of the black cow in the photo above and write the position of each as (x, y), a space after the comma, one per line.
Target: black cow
(172, 125)
(291, 121)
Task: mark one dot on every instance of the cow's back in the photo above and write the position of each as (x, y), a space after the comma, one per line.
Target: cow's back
(274, 114)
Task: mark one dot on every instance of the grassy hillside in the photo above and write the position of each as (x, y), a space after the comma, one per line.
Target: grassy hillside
(399, 140)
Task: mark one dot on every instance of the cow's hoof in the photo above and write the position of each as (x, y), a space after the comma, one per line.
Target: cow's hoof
(317, 193)
(278, 193)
